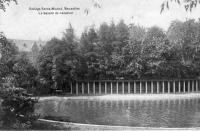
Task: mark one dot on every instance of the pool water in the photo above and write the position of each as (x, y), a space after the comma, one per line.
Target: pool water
(177, 113)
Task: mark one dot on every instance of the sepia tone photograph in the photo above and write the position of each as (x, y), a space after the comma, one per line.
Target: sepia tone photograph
(100, 65)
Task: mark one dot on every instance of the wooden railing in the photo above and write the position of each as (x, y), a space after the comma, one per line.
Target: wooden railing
(99, 87)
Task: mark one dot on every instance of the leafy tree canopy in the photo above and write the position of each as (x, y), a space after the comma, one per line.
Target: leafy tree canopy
(189, 5)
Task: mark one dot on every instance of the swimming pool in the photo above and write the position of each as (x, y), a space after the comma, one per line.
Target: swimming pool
(172, 113)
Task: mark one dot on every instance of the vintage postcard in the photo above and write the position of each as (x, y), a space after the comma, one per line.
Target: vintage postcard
(99, 64)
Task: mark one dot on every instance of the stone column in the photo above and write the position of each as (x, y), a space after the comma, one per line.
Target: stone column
(117, 87)
(134, 86)
(188, 86)
(192, 86)
(179, 87)
(71, 87)
(93, 87)
(152, 87)
(129, 85)
(146, 87)
(99, 87)
(163, 86)
(82, 88)
(174, 88)
(76, 88)
(140, 87)
(197, 86)
(168, 86)
(122, 87)
(157, 86)
(105, 87)
(111, 87)
(184, 86)
(88, 87)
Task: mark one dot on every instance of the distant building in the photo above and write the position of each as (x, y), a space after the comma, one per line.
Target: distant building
(26, 45)
(31, 47)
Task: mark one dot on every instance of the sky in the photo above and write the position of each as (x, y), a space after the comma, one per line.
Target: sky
(22, 22)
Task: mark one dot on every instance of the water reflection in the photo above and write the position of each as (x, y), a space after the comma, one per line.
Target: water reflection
(146, 113)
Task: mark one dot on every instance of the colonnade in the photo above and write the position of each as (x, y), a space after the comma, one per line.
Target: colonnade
(134, 87)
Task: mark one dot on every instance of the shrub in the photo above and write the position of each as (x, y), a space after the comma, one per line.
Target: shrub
(17, 109)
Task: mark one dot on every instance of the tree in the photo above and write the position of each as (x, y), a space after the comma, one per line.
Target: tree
(105, 49)
(89, 50)
(34, 54)
(189, 5)
(105, 39)
(69, 35)
(8, 52)
(132, 51)
(88, 41)
(45, 60)
(15, 66)
(184, 38)
(17, 109)
(122, 32)
(3, 4)
(153, 47)
(59, 61)
(143, 53)
(95, 3)
(24, 72)
(17, 106)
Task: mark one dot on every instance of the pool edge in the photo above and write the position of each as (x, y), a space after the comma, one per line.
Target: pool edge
(80, 126)
(128, 96)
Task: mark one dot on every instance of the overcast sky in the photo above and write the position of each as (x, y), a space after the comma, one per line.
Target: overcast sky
(18, 22)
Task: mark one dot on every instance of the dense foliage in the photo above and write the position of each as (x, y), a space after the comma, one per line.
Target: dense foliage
(189, 5)
(15, 66)
(115, 51)
(3, 4)
(16, 106)
(17, 109)
(112, 51)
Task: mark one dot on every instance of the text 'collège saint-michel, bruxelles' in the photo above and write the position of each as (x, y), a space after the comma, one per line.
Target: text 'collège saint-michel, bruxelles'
(54, 10)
